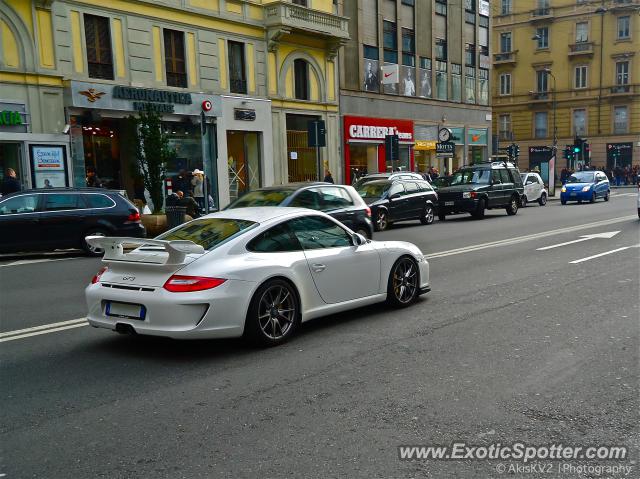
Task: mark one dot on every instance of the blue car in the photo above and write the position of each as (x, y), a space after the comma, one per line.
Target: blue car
(585, 186)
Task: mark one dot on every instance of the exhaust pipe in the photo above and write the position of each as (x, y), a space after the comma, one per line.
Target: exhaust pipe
(123, 328)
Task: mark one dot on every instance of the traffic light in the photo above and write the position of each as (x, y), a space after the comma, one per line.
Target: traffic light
(510, 151)
(516, 152)
(586, 148)
(392, 149)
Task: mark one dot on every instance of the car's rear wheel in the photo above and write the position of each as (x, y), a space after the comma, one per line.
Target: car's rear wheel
(403, 286)
(542, 200)
(606, 196)
(593, 197)
(480, 209)
(512, 209)
(92, 250)
(382, 220)
(428, 215)
(273, 314)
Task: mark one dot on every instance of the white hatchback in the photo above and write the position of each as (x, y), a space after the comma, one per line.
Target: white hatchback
(534, 189)
(256, 272)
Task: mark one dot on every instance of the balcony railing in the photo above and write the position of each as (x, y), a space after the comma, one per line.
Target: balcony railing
(284, 14)
(504, 58)
(618, 89)
(541, 14)
(581, 48)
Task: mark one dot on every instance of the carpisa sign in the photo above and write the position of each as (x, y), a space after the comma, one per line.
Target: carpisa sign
(150, 99)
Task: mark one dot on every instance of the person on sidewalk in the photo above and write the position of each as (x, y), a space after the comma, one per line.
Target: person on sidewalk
(198, 187)
(189, 203)
(327, 177)
(10, 183)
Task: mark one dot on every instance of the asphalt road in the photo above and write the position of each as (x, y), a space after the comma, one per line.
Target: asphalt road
(513, 344)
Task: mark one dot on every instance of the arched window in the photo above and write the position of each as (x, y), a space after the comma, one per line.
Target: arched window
(301, 79)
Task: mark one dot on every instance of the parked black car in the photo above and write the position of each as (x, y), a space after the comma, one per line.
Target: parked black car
(340, 201)
(399, 200)
(56, 218)
(485, 186)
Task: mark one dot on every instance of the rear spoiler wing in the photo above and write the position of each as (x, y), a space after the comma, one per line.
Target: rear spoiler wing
(114, 249)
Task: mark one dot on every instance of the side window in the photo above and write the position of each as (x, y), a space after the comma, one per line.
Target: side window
(62, 202)
(333, 198)
(277, 239)
(20, 204)
(396, 188)
(99, 201)
(411, 188)
(495, 176)
(315, 232)
(505, 176)
(425, 186)
(306, 199)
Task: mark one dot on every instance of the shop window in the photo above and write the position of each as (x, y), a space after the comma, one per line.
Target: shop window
(363, 159)
(174, 58)
(237, 68)
(301, 79)
(98, 39)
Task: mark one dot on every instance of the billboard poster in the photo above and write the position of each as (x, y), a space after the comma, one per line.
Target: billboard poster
(371, 81)
(48, 166)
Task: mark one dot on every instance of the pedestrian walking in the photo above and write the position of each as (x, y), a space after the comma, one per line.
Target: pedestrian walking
(198, 187)
(327, 177)
(10, 183)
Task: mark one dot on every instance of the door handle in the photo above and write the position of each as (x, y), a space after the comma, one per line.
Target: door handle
(318, 268)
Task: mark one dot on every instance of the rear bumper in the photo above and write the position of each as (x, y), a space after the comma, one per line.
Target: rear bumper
(215, 313)
(467, 205)
(133, 230)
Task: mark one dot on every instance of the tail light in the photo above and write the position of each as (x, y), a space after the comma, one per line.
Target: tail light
(96, 277)
(474, 194)
(134, 217)
(368, 211)
(186, 284)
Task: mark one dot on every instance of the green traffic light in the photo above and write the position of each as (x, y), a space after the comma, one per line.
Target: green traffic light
(576, 149)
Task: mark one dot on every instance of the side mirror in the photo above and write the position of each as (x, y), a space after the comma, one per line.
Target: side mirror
(395, 196)
(358, 239)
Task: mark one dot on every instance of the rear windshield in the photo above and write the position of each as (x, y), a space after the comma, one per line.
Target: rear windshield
(470, 177)
(209, 232)
(262, 198)
(372, 190)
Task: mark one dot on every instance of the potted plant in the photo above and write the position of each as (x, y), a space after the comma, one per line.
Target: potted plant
(152, 153)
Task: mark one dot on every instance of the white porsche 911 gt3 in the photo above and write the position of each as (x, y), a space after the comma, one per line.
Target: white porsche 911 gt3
(256, 272)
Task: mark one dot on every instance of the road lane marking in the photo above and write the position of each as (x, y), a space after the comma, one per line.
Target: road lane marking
(522, 239)
(608, 235)
(625, 194)
(46, 331)
(44, 326)
(599, 255)
(21, 262)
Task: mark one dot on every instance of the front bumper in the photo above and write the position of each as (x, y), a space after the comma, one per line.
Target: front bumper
(214, 313)
(576, 195)
(132, 230)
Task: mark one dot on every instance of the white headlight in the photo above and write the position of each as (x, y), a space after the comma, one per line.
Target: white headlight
(466, 194)
(586, 188)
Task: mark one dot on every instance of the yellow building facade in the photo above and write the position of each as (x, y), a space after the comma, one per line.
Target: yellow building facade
(74, 68)
(579, 59)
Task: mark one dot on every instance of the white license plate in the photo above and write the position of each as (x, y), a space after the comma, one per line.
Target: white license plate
(449, 203)
(125, 310)
(574, 194)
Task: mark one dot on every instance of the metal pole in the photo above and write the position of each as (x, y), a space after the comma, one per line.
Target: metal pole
(203, 146)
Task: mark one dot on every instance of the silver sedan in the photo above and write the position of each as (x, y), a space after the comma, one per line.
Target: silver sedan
(253, 272)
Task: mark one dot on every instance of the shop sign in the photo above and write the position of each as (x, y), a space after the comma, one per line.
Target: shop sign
(125, 98)
(48, 166)
(476, 137)
(445, 148)
(457, 135)
(540, 150)
(243, 114)
(376, 129)
(13, 117)
(424, 145)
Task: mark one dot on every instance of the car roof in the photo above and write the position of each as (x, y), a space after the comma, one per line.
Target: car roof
(294, 186)
(260, 214)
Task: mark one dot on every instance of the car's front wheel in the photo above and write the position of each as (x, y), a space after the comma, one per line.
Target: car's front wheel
(404, 278)
(273, 314)
(89, 249)
(593, 197)
(524, 201)
(428, 215)
(512, 209)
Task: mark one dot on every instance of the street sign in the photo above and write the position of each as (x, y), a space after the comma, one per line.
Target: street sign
(317, 133)
(445, 148)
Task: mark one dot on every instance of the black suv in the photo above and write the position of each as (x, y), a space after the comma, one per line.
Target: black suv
(340, 201)
(481, 187)
(57, 218)
(399, 200)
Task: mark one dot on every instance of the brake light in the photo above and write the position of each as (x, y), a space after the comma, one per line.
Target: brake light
(368, 211)
(474, 194)
(134, 217)
(186, 284)
(96, 277)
